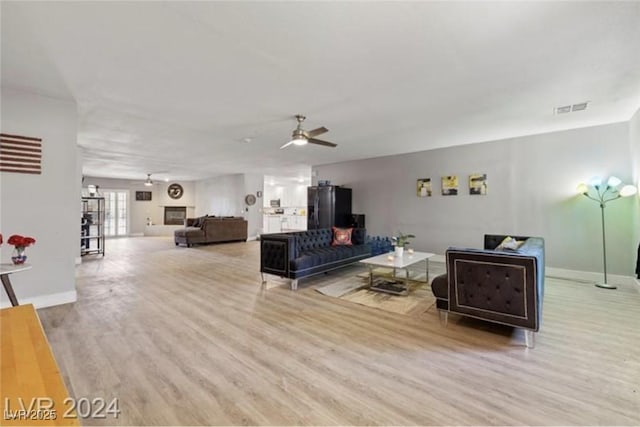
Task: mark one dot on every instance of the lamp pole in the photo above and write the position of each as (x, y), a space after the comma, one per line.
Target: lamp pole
(604, 253)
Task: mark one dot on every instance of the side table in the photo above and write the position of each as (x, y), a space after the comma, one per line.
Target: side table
(5, 271)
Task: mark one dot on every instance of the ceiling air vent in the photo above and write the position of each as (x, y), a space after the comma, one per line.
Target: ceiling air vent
(579, 107)
(571, 108)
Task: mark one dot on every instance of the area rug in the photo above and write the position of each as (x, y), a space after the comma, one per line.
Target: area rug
(354, 289)
(340, 289)
(346, 286)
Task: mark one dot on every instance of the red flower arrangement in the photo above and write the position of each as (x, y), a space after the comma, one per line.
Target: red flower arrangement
(21, 242)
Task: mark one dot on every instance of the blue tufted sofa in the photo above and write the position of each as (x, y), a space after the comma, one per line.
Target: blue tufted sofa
(304, 253)
(499, 286)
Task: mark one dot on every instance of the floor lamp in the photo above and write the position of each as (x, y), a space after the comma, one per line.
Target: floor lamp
(603, 194)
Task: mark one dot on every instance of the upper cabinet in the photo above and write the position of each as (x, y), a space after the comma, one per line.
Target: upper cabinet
(290, 191)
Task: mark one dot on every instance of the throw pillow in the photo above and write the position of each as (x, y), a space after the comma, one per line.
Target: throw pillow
(341, 236)
(509, 244)
(199, 222)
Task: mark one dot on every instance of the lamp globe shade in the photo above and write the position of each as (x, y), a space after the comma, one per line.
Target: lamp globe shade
(614, 181)
(628, 190)
(596, 181)
(582, 188)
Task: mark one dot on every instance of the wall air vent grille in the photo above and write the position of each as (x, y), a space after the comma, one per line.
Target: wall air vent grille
(20, 154)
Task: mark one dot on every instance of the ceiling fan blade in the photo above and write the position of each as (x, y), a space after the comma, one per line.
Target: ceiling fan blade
(316, 132)
(286, 145)
(321, 142)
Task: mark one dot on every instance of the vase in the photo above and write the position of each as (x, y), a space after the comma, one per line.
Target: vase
(399, 251)
(18, 256)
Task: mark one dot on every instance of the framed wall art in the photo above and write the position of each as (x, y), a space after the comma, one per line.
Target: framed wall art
(144, 196)
(423, 187)
(450, 185)
(478, 184)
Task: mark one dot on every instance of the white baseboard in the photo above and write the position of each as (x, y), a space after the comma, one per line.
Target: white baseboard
(589, 276)
(136, 235)
(251, 238)
(78, 260)
(43, 301)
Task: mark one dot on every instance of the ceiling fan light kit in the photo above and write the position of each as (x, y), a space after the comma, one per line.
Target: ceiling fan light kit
(301, 137)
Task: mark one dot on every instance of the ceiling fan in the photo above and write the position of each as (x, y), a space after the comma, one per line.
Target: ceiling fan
(302, 137)
(149, 182)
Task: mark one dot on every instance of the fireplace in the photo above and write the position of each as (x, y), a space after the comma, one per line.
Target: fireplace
(175, 215)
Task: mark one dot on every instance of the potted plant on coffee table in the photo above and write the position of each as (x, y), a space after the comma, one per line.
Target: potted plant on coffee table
(400, 241)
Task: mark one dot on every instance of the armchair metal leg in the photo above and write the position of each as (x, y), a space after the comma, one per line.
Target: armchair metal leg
(444, 317)
(294, 284)
(264, 281)
(530, 338)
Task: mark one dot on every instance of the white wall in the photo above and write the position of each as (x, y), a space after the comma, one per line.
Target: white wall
(531, 191)
(46, 206)
(220, 196)
(154, 209)
(253, 214)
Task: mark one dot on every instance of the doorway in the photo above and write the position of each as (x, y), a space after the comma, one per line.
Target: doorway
(116, 221)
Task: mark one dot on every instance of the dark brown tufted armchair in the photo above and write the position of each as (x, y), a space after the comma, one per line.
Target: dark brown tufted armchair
(504, 287)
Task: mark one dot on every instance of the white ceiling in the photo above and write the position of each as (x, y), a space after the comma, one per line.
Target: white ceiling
(177, 87)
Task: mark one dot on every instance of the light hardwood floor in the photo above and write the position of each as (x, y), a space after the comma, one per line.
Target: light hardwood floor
(189, 336)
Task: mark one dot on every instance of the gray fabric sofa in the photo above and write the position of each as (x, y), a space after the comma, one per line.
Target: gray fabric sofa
(211, 229)
(304, 253)
(501, 286)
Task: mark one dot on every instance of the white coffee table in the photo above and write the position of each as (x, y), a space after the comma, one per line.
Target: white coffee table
(390, 260)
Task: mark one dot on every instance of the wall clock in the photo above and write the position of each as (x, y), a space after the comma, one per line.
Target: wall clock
(250, 199)
(175, 191)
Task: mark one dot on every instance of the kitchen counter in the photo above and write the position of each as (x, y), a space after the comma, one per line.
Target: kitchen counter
(276, 223)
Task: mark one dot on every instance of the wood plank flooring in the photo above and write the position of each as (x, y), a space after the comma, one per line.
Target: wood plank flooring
(189, 336)
(29, 372)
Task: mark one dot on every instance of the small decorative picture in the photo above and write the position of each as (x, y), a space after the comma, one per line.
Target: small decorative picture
(424, 187)
(143, 195)
(450, 185)
(478, 184)
(258, 194)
